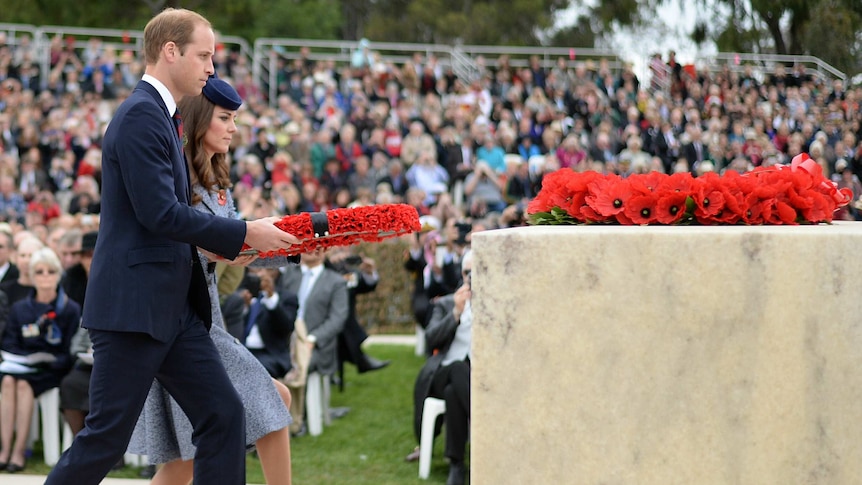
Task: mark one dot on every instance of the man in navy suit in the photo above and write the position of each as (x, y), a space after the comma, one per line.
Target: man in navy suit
(147, 307)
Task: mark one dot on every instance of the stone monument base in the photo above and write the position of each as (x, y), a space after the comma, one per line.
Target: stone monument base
(667, 355)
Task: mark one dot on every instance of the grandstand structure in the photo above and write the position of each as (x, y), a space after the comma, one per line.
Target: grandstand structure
(265, 55)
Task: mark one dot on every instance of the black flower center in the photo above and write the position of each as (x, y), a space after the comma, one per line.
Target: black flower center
(645, 212)
(618, 203)
(706, 202)
(674, 209)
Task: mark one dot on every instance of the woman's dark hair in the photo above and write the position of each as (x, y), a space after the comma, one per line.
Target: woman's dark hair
(213, 174)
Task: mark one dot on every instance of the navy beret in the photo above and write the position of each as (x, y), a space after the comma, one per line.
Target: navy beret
(222, 94)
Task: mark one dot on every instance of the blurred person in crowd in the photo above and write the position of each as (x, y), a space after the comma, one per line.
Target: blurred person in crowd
(20, 288)
(75, 386)
(13, 207)
(361, 177)
(395, 177)
(570, 154)
(519, 185)
(322, 150)
(416, 143)
(483, 189)
(8, 269)
(348, 148)
(426, 174)
(43, 208)
(31, 177)
(43, 322)
(85, 196)
(845, 178)
(69, 249)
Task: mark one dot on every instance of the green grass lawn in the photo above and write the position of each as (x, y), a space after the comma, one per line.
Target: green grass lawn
(365, 447)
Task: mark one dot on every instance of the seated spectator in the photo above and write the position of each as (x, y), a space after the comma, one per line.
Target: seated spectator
(8, 270)
(44, 322)
(395, 178)
(21, 287)
(43, 208)
(426, 174)
(69, 248)
(262, 319)
(13, 207)
(85, 196)
(484, 191)
(446, 374)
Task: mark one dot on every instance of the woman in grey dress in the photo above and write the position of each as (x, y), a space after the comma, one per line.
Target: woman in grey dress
(163, 432)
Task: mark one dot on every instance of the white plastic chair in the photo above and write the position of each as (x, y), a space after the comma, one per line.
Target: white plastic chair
(431, 408)
(317, 389)
(420, 341)
(47, 405)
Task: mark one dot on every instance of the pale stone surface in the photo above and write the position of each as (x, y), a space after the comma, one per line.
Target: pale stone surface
(667, 355)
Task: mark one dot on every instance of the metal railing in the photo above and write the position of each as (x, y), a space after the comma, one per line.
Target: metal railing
(736, 62)
(268, 54)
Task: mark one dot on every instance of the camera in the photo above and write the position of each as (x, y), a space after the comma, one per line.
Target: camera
(464, 229)
(353, 260)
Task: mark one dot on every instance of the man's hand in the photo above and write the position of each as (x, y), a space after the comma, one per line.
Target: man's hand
(241, 260)
(263, 235)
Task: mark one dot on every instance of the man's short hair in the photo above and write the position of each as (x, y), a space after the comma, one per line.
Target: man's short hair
(171, 25)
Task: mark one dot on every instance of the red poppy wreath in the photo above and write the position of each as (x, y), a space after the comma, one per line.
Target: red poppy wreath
(798, 193)
(344, 227)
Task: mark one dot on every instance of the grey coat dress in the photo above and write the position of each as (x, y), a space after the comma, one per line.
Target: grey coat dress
(163, 431)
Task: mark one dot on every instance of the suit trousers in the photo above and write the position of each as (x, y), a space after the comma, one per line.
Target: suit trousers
(452, 384)
(190, 369)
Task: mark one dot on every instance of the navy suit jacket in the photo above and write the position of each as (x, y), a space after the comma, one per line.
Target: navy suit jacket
(145, 270)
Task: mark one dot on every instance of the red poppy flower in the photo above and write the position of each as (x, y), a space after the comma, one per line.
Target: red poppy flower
(641, 209)
(670, 208)
(609, 196)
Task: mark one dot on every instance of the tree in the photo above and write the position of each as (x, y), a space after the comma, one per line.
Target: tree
(829, 29)
(506, 22)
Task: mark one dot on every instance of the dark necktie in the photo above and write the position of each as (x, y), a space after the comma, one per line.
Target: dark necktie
(253, 312)
(178, 122)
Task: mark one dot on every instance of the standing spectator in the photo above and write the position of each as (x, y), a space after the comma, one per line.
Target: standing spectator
(323, 307)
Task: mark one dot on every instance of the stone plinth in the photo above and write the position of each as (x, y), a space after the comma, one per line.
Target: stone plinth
(667, 355)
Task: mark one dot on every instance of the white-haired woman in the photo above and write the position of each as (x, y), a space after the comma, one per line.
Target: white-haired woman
(43, 322)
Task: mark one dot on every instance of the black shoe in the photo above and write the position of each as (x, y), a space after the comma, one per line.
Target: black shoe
(14, 467)
(368, 364)
(457, 473)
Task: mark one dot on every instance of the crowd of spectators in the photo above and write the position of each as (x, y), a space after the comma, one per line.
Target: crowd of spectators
(370, 131)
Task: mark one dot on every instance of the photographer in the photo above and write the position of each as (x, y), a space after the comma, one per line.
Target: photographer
(484, 190)
(361, 276)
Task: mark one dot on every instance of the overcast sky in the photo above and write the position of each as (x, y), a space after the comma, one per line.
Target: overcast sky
(668, 32)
